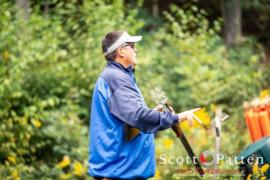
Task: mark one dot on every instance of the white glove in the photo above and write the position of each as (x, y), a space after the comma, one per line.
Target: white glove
(189, 116)
(186, 115)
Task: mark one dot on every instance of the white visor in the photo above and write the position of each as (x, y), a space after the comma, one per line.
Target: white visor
(124, 38)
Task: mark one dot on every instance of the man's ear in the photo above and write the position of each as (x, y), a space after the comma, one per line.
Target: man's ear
(120, 52)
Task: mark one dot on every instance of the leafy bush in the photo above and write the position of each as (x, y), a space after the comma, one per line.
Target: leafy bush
(48, 68)
(49, 64)
(196, 70)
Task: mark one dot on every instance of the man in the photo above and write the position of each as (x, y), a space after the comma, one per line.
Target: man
(118, 108)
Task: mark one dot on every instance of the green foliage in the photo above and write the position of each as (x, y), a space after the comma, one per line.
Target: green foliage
(48, 67)
(196, 70)
(198, 63)
(49, 64)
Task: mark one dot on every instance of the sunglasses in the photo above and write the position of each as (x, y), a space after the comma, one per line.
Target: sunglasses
(132, 45)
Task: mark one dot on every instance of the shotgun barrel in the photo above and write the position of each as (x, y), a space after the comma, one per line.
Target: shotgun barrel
(180, 134)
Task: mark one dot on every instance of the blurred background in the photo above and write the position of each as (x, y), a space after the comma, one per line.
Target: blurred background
(212, 54)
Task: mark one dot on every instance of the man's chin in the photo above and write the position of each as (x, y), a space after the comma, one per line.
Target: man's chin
(135, 62)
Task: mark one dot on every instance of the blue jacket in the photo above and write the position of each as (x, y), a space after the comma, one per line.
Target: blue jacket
(117, 100)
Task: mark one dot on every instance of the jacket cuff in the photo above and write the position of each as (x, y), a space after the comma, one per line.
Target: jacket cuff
(175, 118)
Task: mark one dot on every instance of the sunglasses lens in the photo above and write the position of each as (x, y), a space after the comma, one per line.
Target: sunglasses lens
(131, 45)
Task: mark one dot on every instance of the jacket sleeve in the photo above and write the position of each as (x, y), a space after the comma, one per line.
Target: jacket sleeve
(127, 105)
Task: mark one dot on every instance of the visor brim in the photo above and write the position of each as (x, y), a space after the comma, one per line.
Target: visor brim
(134, 39)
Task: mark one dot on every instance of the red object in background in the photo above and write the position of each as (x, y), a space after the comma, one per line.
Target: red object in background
(248, 117)
(255, 129)
(268, 109)
(264, 120)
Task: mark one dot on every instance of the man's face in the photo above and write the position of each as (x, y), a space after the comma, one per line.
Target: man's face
(129, 53)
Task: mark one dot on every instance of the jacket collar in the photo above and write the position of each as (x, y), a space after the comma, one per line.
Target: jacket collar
(117, 65)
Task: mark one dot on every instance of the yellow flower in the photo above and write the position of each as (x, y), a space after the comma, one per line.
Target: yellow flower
(263, 178)
(184, 126)
(78, 169)
(264, 93)
(12, 159)
(65, 162)
(157, 174)
(264, 168)
(255, 169)
(203, 116)
(15, 175)
(37, 123)
(249, 177)
(168, 143)
(66, 176)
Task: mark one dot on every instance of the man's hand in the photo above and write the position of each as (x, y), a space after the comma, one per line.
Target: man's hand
(186, 115)
(189, 116)
(161, 109)
(158, 108)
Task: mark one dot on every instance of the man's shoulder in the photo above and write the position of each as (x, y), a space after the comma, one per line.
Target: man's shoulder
(115, 77)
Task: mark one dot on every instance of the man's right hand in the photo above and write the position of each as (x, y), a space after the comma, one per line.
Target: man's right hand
(189, 116)
(186, 115)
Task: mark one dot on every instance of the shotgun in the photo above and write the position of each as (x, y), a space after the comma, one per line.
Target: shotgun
(160, 98)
